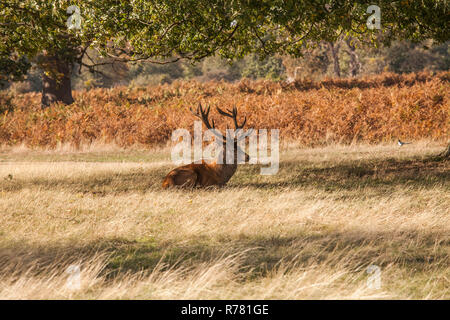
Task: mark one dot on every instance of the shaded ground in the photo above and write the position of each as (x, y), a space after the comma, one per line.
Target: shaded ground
(381, 174)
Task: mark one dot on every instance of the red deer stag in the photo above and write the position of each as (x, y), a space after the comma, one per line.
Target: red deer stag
(210, 174)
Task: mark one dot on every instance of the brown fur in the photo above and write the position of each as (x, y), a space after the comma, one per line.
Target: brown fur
(207, 174)
(199, 175)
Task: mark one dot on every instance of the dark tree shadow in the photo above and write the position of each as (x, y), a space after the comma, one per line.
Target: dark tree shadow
(410, 249)
(135, 180)
(352, 175)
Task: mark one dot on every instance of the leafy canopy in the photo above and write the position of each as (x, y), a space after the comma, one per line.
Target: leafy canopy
(169, 30)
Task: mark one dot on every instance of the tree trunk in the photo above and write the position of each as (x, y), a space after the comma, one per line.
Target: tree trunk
(56, 84)
(355, 65)
(334, 48)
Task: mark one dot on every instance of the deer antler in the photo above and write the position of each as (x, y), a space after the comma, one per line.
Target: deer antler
(204, 174)
(232, 113)
(203, 115)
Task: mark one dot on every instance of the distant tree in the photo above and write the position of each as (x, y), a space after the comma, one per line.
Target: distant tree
(405, 57)
(269, 67)
(12, 68)
(165, 31)
(313, 64)
(334, 48)
(355, 64)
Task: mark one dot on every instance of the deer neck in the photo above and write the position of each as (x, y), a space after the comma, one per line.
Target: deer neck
(224, 170)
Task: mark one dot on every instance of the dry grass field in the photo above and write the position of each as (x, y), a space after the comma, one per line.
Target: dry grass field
(309, 231)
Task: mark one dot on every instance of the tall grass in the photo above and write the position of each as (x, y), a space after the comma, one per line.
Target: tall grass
(372, 109)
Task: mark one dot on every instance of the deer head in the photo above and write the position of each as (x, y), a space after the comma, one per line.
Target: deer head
(236, 152)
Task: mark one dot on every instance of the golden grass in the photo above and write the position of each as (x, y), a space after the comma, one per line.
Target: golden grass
(308, 232)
